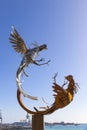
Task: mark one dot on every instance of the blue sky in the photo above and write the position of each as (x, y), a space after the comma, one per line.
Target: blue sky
(62, 25)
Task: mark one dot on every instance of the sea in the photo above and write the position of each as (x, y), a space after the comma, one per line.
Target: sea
(66, 127)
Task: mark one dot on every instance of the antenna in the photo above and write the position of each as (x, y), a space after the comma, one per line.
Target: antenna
(28, 118)
(0, 117)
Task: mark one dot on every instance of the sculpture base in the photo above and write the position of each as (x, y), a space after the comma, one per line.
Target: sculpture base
(37, 122)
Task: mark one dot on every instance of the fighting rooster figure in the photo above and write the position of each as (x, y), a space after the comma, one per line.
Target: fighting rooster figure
(29, 56)
(63, 96)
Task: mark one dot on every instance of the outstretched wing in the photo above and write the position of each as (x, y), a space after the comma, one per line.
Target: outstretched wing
(18, 42)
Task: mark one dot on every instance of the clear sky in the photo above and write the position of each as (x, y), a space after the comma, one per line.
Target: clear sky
(62, 25)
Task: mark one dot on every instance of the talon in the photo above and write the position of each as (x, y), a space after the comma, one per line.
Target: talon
(42, 59)
(25, 73)
(49, 61)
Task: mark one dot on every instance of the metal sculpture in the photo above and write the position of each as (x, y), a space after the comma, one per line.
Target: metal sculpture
(29, 56)
(62, 96)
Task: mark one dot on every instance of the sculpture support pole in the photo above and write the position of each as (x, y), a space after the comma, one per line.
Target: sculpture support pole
(37, 122)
